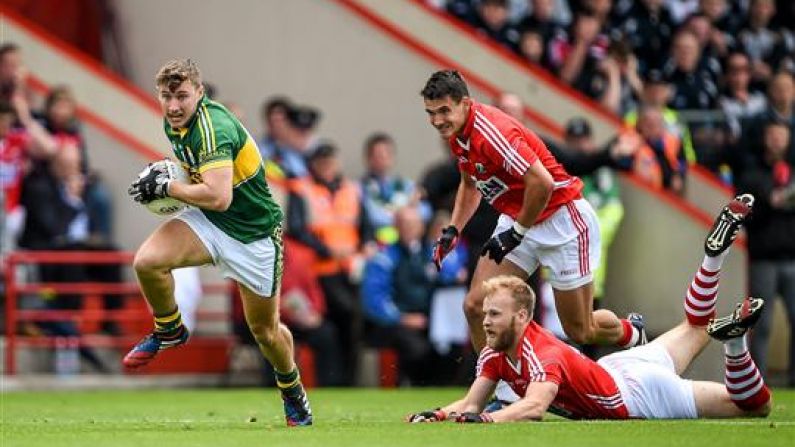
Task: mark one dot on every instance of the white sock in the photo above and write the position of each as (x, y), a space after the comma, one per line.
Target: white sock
(735, 347)
(714, 263)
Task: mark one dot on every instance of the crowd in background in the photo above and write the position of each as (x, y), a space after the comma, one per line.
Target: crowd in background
(707, 82)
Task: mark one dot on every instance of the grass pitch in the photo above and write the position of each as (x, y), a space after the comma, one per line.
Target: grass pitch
(253, 417)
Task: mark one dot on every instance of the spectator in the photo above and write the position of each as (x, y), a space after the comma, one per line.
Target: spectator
(60, 119)
(681, 9)
(492, 20)
(780, 107)
(693, 83)
(737, 101)
(601, 190)
(656, 93)
(303, 309)
(711, 40)
(541, 20)
(768, 48)
(659, 162)
(325, 212)
(275, 145)
(648, 28)
(532, 48)
(12, 72)
(724, 20)
(18, 146)
(511, 104)
(619, 83)
(383, 192)
(575, 56)
(771, 239)
(396, 294)
(57, 219)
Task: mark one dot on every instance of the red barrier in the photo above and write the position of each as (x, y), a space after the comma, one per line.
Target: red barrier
(89, 291)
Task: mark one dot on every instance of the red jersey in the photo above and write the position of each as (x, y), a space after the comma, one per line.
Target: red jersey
(496, 150)
(13, 155)
(585, 389)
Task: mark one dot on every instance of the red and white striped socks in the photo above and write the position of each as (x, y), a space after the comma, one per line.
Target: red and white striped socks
(703, 291)
(743, 381)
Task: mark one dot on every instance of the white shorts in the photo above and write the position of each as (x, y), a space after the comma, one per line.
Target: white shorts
(568, 243)
(648, 382)
(256, 265)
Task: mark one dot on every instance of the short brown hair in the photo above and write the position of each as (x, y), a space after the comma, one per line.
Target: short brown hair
(177, 71)
(521, 293)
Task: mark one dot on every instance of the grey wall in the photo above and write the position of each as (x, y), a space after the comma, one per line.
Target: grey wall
(312, 50)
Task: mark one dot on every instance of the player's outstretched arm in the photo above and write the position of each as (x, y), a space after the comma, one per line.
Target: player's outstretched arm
(467, 200)
(532, 406)
(474, 401)
(213, 193)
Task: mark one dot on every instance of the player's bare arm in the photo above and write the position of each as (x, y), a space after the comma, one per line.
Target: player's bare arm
(467, 200)
(476, 398)
(532, 406)
(538, 189)
(214, 192)
(473, 402)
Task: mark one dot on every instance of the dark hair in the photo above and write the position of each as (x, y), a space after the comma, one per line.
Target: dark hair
(775, 122)
(376, 138)
(6, 108)
(445, 83)
(303, 117)
(273, 103)
(58, 93)
(6, 48)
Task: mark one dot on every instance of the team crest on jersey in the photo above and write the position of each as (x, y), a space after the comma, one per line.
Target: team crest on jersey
(491, 189)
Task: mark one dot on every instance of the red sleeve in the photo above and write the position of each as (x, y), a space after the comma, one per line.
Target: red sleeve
(488, 365)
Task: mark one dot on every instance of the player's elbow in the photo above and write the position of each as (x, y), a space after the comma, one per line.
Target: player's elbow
(221, 203)
(541, 183)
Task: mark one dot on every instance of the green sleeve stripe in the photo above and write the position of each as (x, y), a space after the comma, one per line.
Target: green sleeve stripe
(202, 134)
(210, 126)
(205, 134)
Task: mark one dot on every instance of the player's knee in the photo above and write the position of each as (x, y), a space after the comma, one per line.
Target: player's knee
(146, 261)
(265, 334)
(473, 305)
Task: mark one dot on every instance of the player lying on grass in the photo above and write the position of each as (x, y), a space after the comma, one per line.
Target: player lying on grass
(642, 382)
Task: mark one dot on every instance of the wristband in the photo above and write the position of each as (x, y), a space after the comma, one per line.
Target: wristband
(519, 228)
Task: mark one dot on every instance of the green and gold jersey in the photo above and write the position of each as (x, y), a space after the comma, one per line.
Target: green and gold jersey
(214, 138)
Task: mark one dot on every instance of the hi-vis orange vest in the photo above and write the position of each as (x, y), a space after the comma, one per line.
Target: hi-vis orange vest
(647, 167)
(333, 218)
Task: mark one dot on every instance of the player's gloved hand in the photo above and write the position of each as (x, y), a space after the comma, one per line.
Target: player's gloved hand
(446, 243)
(474, 418)
(151, 186)
(436, 415)
(502, 244)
